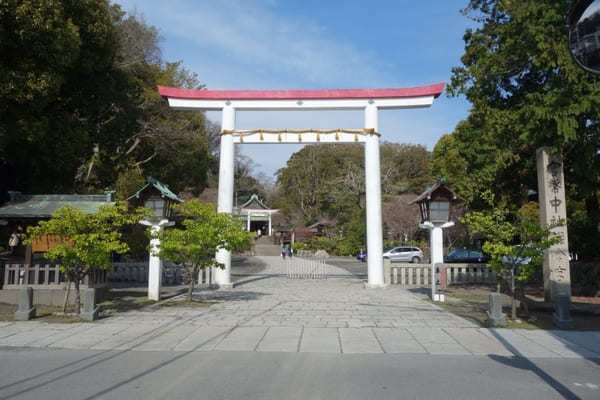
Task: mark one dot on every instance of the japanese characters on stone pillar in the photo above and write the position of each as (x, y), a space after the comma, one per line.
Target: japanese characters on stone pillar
(551, 188)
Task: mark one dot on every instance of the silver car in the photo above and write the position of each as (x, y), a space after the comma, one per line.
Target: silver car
(405, 254)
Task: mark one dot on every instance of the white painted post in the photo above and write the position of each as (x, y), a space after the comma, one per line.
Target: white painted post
(154, 267)
(373, 202)
(436, 247)
(225, 199)
(248, 221)
(155, 264)
(270, 233)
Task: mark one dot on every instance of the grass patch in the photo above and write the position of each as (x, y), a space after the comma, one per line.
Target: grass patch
(471, 302)
(42, 313)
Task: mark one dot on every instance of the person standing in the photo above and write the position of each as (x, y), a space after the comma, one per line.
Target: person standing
(283, 251)
(290, 251)
(13, 241)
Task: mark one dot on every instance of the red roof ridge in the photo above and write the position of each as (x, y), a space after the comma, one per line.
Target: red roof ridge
(313, 94)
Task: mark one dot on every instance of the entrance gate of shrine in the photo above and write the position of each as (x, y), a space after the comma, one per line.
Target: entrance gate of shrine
(369, 100)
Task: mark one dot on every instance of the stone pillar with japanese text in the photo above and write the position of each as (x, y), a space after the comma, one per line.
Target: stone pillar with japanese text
(551, 189)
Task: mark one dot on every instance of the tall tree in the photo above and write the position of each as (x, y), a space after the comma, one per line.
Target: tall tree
(527, 92)
(60, 92)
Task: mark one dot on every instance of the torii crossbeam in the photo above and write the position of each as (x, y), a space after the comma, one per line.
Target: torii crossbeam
(370, 100)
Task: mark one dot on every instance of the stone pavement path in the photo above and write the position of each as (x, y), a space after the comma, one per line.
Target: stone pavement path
(268, 312)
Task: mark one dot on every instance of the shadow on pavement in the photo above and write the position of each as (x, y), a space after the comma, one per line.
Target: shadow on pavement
(111, 354)
(221, 295)
(519, 361)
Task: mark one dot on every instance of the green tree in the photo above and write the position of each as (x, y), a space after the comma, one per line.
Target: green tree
(168, 144)
(61, 92)
(515, 244)
(87, 241)
(79, 105)
(527, 92)
(204, 231)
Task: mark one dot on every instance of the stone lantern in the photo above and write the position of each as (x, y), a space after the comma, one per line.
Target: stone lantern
(436, 206)
(160, 199)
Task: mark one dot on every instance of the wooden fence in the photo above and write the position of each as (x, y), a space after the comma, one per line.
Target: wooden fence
(304, 268)
(45, 276)
(419, 275)
(173, 274)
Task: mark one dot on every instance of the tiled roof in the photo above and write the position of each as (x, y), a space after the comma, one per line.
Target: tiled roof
(44, 205)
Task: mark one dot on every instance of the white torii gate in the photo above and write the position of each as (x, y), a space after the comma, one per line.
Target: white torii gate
(370, 100)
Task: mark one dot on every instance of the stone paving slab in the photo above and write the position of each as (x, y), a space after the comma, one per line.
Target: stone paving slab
(203, 339)
(567, 349)
(242, 339)
(281, 338)
(587, 340)
(357, 340)
(398, 341)
(320, 340)
(519, 344)
(167, 341)
(269, 313)
(477, 342)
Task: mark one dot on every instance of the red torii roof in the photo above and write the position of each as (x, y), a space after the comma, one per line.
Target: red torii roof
(321, 94)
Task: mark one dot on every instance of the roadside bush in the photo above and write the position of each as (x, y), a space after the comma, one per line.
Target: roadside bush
(585, 279)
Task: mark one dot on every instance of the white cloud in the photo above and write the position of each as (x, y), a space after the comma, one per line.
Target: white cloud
(252, 36)
(246, 44)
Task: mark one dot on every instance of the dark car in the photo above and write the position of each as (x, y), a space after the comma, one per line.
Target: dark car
(467, 256)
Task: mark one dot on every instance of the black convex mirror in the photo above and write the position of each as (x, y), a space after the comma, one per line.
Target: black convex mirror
(584, 34)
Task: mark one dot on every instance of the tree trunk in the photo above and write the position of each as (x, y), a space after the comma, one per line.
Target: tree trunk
(524, 306)
(191, 287)
(513, 302)
(66, 299)
(77, 297)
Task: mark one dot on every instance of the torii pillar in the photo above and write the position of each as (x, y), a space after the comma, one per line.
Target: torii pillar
(368, 100)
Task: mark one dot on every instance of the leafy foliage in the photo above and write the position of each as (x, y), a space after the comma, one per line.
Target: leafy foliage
(204, 231)
(328, 181)
(79, 105)
(526, 92)
(515, 244)
(87, 240)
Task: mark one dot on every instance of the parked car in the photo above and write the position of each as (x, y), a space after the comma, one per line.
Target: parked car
(363, 256)
(516, 260)
(404, 253)
(466, 256)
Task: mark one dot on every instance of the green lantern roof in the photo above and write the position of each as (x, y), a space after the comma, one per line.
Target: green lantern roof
(161, 187)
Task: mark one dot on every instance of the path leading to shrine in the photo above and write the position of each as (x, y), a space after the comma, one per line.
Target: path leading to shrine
(266, 312)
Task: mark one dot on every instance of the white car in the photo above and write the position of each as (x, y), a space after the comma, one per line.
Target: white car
(405, 253)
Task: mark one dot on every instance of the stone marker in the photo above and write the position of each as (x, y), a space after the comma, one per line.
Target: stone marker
(90, 311)
(562, 316)
(551, 189)
(495, 316)
(26, 309)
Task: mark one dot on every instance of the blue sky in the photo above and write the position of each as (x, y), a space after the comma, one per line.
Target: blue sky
(309, 44)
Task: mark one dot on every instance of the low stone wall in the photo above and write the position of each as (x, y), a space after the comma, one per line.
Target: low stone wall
(44, 296)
